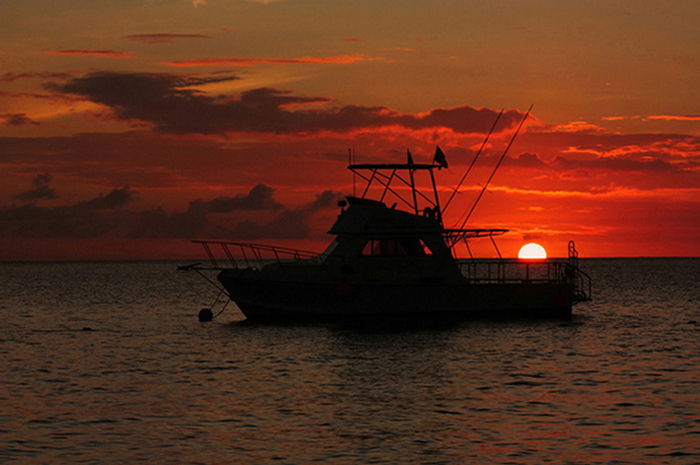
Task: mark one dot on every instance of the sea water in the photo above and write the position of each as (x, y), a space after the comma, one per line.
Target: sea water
(108, 363)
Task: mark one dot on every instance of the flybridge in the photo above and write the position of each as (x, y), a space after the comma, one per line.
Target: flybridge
(385, 174)
(389, 175)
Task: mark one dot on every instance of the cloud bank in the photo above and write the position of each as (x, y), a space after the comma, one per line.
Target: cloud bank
(173, 105)
(108, 216)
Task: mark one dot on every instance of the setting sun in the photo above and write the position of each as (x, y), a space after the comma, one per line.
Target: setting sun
(532, 250)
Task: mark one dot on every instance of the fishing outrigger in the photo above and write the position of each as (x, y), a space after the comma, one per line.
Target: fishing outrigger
(388, 262)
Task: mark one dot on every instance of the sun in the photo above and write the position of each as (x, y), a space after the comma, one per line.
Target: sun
(532, 250)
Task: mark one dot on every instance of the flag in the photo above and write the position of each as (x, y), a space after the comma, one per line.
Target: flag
(410, 158)
(440, 158)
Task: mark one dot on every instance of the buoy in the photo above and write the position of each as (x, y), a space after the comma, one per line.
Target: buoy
(205, 314)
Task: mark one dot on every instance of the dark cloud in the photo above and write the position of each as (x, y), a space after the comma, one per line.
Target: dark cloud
(80, 220)
(106, 215)
(290, 224)
(165, 100)
(32, 221)
(17, 119)
(325, 200)
(259, 198)
(250, 61)
(40, 189)
(118, 198)
(12, 77)
(527, 160)
(97, 53)
(197, 221)
(190, 224)
(170, 103)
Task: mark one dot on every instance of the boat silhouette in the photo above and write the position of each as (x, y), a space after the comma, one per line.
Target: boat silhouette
(396, 262)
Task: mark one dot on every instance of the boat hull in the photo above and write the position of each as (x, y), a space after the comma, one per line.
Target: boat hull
(262, 298)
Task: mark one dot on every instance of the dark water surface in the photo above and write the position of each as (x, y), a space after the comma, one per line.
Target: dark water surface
(149, 383)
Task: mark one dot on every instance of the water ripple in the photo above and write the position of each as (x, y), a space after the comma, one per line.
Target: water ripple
(148, 383)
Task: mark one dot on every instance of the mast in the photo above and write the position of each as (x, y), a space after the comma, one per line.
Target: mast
(438, 211)
(350, 162)
(413, 183)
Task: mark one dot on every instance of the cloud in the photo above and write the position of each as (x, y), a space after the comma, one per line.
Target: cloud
(163, 99)
(191, 224)
(615, 164)
(327, 199)
(675, 117)
(527, 160)
(196, 221)
(96, 53)
(172, 105)
(17, 119)
(40, 189)
(289, 224)
(602, 143)
(653, 118)
(163, 38)
(118, 198)
(12, 77)
(259, 198)
(243, 61)
(92, 218)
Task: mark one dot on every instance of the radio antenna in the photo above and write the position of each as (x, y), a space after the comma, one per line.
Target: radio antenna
(351, 161)
(496, 168)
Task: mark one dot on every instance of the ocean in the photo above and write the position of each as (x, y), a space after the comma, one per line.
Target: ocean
(107, 363)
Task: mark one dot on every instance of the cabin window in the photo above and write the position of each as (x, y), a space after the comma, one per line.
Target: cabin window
(406, 246)
(383, 247)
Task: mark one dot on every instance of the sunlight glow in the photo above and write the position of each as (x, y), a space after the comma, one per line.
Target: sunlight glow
(532, 250)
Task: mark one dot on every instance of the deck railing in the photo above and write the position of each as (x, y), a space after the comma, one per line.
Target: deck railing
(504, 271)
(478, 271)
(240, 254)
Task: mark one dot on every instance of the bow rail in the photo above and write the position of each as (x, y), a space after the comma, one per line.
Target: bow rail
(243, 254)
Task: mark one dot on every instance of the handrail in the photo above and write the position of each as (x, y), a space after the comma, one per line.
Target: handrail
(478, 271)
(512, 270)
(502, 271)
(257, 254)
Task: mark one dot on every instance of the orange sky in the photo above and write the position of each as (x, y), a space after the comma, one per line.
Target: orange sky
(129, 128)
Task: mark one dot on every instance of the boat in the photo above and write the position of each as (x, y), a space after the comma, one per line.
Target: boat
(390, 261)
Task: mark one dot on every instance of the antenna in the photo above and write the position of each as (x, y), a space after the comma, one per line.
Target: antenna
(351, 161)
(496, 168)
(473, 161)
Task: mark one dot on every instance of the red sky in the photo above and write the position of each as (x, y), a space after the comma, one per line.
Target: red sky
(129, 128)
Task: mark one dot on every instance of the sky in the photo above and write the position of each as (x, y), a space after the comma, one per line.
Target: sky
(130, 128)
